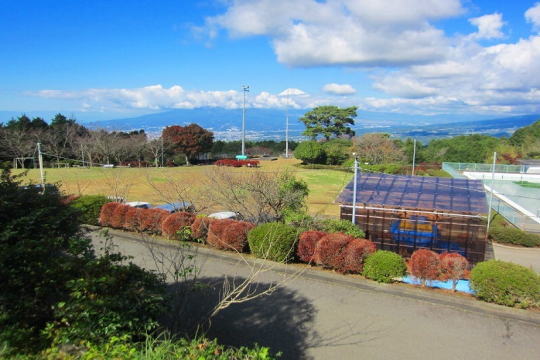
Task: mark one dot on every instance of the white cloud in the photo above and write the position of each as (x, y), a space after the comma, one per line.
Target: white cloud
(155, 97)
(489, 26)
(533, 16)
(339, 89)
(342, 32)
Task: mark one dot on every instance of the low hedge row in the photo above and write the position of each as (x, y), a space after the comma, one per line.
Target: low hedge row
(337, 251)
(89, 207)
(237, 163)
(494, 281)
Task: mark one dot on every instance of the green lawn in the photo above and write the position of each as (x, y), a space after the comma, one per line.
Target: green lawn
(151, 184)
(528, 184)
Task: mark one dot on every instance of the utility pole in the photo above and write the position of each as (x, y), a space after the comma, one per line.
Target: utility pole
(41, 173)
(287, 126)
(413, 157)
(355, 181)
(245, 89)
(491, 192)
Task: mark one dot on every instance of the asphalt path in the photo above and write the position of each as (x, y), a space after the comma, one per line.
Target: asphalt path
(321, 315)
(528, 257)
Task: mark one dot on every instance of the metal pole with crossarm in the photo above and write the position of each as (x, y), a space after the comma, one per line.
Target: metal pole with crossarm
(245, 89)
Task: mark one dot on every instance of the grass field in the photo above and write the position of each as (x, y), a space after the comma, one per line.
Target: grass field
(150, 184)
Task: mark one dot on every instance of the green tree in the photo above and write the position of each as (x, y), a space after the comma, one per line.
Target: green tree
(465, 148)
(329, 121)
(310, 152)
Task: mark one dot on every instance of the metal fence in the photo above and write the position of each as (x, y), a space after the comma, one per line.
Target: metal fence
(510, 213)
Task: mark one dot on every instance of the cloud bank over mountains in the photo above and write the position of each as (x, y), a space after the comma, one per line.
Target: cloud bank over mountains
(414, 64)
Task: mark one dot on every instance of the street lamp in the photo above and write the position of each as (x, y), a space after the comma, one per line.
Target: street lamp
(245, 89)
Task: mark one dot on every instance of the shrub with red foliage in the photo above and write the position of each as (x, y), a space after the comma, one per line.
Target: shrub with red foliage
(199, 228)
(453, 267)
(306, 245)
(355, 253)
(106, 212)
(151, 220)
(237, 163)
(227, 234)
(118, 216)
(424, 265)
(133, 219)
(330, 250)
(175, 222)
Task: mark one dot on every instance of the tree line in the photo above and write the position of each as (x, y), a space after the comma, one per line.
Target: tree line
(66, 142)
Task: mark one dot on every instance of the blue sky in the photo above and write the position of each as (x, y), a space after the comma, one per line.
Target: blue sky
(409, 56)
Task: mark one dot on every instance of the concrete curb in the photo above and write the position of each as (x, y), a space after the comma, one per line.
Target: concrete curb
(519, 248)
(317, 274)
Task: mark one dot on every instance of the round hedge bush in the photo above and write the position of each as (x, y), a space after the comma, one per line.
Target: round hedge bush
(383, 266)
(89, 206)
(273, 241)
(505, 283)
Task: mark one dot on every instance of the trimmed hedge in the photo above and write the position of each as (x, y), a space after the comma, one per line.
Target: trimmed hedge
(175, 222)
(152, 220)
(89, 207)
(273, 241)
(356, 253)
(342, 226)
(424, 265)
(227, 234)
(453, 266)
(383, 266)
(306, 245)
(512, 235)
(133, 219)
(106, 212)
(506, 283)
(118, 216)
(199, 228)
(330, 250)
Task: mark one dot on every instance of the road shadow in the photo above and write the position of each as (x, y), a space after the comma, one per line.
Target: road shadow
(282, 321)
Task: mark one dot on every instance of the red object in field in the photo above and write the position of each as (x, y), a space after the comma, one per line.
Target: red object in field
(424, 264)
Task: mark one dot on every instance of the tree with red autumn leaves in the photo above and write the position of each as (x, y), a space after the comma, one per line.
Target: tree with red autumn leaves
(424, 265)
(189, 140)
(453, 267)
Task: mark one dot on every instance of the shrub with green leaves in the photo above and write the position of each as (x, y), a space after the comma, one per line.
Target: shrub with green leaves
(383, 266)
(342, 226)
(511, 235)
(337, 151)
(89, 207)
(310, 152)
(506, 283)
(273, 241)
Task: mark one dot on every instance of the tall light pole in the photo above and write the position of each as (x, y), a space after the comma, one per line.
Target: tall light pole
(245, 89)
(287, 126)
(355, 182)
(413, 157)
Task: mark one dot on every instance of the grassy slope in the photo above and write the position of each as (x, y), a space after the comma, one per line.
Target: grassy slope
(140, 184)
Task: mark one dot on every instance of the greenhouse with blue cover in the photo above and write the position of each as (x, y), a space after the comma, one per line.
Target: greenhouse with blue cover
(404, 213)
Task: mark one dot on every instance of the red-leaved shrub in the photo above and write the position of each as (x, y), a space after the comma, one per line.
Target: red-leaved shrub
(106, 212)
(424, 264)
(151, 220)
(68, 199)
(237, 163)
(306, 245)
(227, 234)
(119, 216)
(330, 251)
(133, 219)
(199, 228)
(175, 222)
(453, 267)
(356, 252)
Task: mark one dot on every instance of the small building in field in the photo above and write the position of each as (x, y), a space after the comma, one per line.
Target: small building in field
(404, 213)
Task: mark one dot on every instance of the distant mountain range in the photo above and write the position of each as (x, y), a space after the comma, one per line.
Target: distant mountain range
(270, 123)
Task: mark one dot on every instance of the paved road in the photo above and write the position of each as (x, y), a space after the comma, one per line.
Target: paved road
(320, 315)
(529, 257)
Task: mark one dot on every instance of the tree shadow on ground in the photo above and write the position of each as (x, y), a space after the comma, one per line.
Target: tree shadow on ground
(282, 321)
